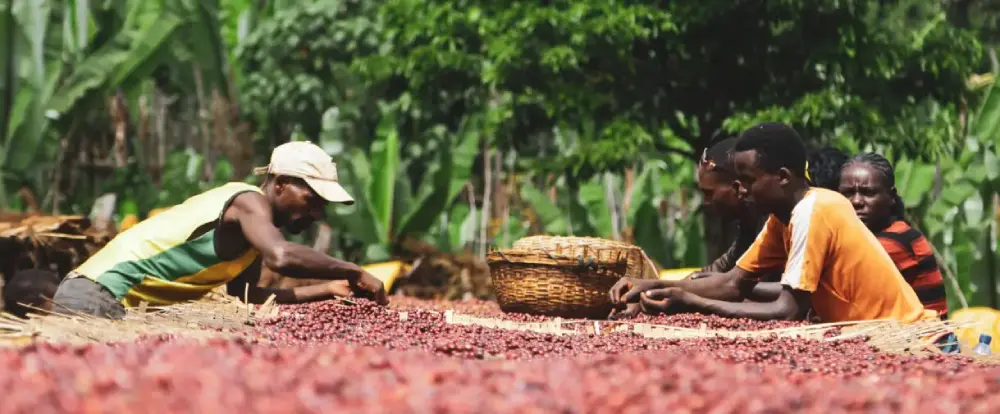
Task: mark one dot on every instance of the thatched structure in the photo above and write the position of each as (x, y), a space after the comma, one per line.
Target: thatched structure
(58, 243)
(218, 316)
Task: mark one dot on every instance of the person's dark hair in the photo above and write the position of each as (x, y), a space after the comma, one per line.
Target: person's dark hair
(884, 169)
(29, 286)
(778, 146)
(825, 165)
(718, 156)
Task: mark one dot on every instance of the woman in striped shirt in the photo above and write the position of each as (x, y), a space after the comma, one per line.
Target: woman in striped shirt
(868, 180)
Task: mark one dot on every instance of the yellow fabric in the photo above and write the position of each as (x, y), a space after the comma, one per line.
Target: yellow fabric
(129, 221)
(157, 292)
(986, 320)
(387, 272)
(677, 274)
(826, 250)
(162, 243)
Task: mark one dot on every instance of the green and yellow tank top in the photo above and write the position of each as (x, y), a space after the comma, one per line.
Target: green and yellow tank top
(162, 261)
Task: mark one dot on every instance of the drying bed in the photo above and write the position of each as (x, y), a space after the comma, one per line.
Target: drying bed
(363, 358)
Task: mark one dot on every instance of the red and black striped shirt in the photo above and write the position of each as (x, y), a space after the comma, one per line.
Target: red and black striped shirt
(914, 258)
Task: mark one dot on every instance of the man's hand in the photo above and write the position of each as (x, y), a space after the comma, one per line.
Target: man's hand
(629, 312)
(698, 275)
(339, 288)
(368, 286)
(627, 289)
(662, 300)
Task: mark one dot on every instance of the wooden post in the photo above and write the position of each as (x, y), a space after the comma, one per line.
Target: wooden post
(324, 233)
(103, 210)
(485, 215)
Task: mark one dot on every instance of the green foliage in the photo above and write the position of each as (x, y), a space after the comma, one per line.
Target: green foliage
(672, 238)
(410, 95)
(635, 75)
(63, 60)
(385, 211)
(956, 208)
(295, 66)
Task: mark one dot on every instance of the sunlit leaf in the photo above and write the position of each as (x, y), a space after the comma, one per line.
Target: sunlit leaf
(442, 184)
(385, 167)
(552, 219)
(593, 199)
(915, 183)
(973, 209)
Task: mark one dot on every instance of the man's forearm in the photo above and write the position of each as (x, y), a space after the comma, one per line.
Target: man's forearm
(301, 262)
(301, 294)
(719, 286)
(764, 291)
(763, 311)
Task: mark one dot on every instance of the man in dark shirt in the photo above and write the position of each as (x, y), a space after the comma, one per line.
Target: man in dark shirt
(717, 182)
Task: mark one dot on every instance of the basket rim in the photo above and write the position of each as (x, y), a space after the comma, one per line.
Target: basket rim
(541, 257)
(577, 241)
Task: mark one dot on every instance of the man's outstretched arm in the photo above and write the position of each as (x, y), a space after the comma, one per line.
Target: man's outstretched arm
(252, 212)
(727, 286)
(299, 294)
(790, 304)
(247, 287)
(289, 259)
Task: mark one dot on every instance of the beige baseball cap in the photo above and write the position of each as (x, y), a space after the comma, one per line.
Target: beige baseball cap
(305, 160)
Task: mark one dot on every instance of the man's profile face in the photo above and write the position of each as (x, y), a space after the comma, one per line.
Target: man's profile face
(756, 186)
(719, 192)
(297, 205)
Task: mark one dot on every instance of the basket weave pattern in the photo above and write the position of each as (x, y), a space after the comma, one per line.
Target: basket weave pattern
(560, 276)
(575, 246)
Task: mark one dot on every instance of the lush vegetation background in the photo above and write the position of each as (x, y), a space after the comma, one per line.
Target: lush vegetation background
(463, 124)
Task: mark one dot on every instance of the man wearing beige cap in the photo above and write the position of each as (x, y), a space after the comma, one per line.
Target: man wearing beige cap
(207, 241)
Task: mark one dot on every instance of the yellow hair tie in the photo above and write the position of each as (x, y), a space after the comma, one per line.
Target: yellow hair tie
(808, 178)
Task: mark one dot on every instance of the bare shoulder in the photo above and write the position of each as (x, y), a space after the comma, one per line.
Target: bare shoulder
(248, 204)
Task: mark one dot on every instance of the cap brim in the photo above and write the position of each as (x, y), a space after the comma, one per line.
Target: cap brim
(331, 191)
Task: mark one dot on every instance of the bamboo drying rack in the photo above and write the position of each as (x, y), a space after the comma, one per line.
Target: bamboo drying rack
(885, 335)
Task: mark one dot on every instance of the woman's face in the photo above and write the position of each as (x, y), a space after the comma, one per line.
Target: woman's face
(872, 197)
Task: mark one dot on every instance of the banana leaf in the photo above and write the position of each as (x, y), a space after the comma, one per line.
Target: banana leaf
(552, 219)
(593, 200)
(644, 217)
(26, 121)
(914, 180)
(984, 127)
(443, 183)
(358, 219)
(385, 167)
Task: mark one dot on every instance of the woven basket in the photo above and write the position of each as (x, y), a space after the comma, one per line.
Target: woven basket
(541, 283)
(639, 266)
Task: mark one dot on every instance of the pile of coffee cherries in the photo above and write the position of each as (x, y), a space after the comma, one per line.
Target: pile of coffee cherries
(327, 357)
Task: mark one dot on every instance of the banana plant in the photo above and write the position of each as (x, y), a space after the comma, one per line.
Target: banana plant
(386, 210)
(60, 71)
(954, 197)
(671, 237)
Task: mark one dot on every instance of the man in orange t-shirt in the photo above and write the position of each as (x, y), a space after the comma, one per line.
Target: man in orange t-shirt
(832, 263)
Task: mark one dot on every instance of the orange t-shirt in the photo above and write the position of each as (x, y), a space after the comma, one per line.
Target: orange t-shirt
(827, 251)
